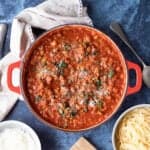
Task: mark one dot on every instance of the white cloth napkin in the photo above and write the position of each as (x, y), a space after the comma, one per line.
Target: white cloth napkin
(45, 16)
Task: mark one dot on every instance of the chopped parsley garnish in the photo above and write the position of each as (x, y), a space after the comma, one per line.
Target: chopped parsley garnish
(111, 73)
(67, 47)
(61, 66)
(98, 83)
(37, 98)
(99, 105)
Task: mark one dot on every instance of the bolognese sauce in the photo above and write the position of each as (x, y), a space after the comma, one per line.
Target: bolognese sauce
(75, 77)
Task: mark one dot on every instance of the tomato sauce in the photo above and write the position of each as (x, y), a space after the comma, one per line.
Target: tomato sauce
(75, 77)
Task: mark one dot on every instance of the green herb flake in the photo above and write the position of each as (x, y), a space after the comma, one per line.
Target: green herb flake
(99, 105)
(111, 73)
(98, 83)
(67, 47)
(37, 98)
(61, 66)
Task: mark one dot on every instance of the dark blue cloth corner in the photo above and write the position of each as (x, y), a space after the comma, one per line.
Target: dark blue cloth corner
(134, 16)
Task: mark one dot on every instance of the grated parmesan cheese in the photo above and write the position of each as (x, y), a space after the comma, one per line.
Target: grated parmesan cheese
(16, 139)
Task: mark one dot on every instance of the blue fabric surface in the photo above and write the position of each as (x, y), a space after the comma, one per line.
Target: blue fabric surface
(134, 16)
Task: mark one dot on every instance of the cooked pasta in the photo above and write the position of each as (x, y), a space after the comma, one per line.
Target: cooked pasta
(133, 131)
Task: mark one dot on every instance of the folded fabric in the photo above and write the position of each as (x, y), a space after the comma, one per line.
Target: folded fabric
(46, 15)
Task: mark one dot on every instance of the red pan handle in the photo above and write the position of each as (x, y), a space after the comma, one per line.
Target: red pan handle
(130, 65)
(138, 84)
(11, 67)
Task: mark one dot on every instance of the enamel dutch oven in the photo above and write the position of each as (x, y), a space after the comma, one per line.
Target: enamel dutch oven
(128, 65)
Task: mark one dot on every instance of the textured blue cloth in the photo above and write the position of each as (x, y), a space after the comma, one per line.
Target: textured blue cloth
(134, 16)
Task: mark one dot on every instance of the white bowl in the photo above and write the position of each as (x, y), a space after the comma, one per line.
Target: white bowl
(120, 118)
(24, 127)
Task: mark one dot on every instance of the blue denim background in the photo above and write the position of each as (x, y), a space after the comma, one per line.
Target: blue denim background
(134, 16)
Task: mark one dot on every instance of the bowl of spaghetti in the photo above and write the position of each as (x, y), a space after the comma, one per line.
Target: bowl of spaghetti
(132, 129)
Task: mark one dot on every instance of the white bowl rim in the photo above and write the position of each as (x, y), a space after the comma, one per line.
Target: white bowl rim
(119, 119)
(15, 123)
